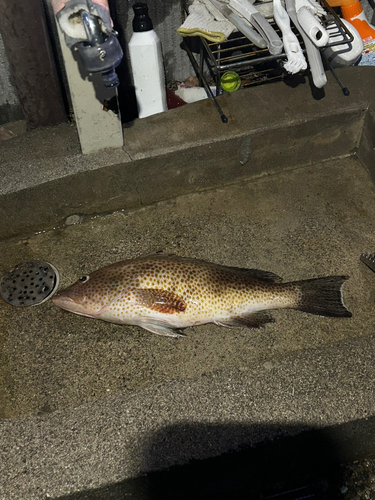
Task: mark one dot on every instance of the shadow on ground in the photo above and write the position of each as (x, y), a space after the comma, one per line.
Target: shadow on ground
(305, 464)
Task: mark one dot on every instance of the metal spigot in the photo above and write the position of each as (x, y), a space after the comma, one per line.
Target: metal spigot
(100, 53)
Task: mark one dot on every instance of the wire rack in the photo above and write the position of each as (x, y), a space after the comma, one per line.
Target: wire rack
(254, 65)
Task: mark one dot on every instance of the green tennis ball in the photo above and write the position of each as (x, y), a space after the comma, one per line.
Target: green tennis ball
(230, 81)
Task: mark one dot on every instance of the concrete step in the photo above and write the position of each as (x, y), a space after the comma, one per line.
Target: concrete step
(272, 128)
(318, 463)
(121, 437)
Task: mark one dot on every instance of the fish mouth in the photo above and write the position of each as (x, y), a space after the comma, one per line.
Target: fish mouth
(68, 304)
(62, 300)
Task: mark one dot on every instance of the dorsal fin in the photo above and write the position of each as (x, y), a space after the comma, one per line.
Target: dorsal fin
(259, 274)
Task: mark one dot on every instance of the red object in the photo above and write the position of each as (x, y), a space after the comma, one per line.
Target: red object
(173, 101)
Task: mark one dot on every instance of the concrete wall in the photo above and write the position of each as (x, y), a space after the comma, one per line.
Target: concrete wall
(10, 108)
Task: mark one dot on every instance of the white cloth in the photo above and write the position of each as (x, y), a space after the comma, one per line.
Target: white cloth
(206, 21)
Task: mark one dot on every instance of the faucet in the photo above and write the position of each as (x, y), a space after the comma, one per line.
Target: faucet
(93, 37)
(100, 53)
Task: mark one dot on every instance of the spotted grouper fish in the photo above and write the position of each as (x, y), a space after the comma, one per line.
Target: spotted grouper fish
(165, 294)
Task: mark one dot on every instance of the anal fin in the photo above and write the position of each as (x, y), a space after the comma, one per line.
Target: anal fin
(254, 320)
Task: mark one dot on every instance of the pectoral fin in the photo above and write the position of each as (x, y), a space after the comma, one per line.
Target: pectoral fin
(162, 301)
(255, 320)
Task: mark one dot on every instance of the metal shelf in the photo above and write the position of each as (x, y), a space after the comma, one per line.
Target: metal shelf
(254, 65)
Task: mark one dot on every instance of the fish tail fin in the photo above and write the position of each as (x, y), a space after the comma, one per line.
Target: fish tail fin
(323, 296)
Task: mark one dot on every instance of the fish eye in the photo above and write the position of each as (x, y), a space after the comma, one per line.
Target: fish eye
(84, 278)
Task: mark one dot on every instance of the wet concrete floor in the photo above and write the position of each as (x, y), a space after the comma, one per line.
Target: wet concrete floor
(302, 223)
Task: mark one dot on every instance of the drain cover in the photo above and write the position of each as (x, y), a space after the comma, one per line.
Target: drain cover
(30, 283)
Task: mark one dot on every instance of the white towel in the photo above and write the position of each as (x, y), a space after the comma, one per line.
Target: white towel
(206, 21)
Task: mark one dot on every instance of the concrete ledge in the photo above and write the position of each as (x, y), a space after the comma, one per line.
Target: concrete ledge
(187, 149)
(305, 463)
(132, 184)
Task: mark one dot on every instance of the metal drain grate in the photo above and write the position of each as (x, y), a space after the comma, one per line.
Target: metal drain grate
(30, 283)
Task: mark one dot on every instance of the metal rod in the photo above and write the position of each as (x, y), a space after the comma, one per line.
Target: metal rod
(224, 119)
(93, 32)
(338, 21)
(258, 60)
(344, 89)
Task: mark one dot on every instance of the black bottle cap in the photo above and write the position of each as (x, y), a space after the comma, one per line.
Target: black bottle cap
(141, 21)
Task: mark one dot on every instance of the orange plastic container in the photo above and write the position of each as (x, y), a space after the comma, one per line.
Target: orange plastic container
(339, 3)
(355, 15)
(353, 12)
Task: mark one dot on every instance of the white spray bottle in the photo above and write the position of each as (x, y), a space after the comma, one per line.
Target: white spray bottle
(147, 64)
